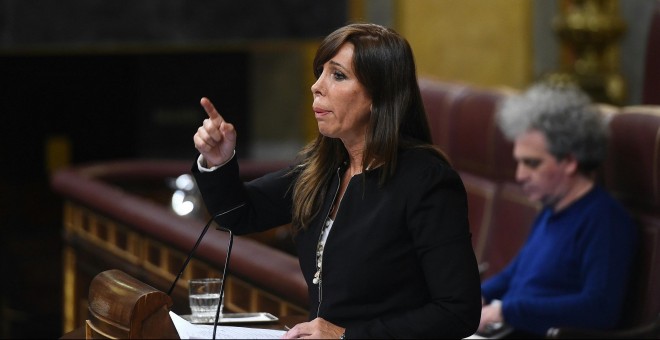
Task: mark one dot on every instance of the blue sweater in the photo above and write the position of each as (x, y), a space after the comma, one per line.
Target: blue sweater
(573, 269)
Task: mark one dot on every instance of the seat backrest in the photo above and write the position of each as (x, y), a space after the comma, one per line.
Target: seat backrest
(481, 199)
(439, 99)
(632, 174)
(651, 85)
(476, 144)
(643, 300)
(463, 124)
(632, 169)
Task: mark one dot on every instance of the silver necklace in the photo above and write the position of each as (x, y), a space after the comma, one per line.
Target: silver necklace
(319, 250)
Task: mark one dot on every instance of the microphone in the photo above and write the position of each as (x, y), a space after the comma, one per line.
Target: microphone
(224, 270)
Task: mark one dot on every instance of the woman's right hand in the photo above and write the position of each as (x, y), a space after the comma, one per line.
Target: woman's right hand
(216, 138)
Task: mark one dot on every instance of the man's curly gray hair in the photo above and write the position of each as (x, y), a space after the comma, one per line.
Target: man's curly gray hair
(565, 115)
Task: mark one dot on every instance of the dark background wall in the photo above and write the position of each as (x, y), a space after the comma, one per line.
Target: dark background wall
(113, 80)
(96, 23)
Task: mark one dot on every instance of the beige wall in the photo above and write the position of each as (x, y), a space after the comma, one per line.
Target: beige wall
(482, 42)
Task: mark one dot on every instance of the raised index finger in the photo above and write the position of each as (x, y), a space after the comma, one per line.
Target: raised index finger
(210, 109)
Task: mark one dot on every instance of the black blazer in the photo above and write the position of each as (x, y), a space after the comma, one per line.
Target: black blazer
(398, 262)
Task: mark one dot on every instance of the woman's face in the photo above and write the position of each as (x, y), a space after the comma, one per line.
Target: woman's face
(341, 104)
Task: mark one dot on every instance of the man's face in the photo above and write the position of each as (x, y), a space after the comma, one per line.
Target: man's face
(543, 178)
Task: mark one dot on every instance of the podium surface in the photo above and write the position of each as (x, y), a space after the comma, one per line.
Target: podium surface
(123, 307)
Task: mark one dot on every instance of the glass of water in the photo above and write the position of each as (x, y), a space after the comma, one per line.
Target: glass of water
(204, 296)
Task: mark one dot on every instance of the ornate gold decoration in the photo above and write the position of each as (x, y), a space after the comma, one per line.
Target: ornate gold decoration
(589, 31)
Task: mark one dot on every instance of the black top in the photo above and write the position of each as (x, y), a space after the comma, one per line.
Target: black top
(398, 261)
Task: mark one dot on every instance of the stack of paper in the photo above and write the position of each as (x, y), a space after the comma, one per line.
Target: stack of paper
(188, 330)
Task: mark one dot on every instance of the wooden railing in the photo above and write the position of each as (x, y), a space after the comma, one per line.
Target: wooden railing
(107, 226)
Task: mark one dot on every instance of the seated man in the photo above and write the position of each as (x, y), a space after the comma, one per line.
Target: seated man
(574, 267)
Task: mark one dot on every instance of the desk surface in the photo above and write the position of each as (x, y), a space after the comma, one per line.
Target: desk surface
(288, 320)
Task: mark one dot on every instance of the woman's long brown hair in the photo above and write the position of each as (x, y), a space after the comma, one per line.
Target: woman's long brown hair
(384, 64)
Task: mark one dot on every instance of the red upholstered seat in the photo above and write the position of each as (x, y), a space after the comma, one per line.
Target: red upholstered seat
(632, 174)
(632, 171)
(651, 86)
(473, 132)
(439, 99)
(481, 198)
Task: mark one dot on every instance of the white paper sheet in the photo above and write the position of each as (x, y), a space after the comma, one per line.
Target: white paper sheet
(188, 330)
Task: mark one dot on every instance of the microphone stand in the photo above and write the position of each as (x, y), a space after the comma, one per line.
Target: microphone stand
(224, 279)
(185, 264)
(224, 270)
(206, 228)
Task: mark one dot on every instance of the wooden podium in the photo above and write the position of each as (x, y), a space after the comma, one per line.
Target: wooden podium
(123, 307)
